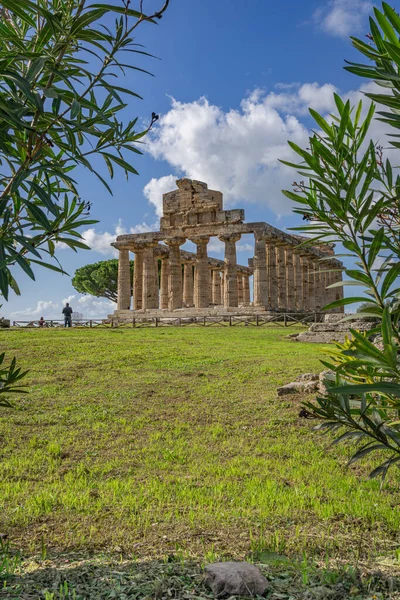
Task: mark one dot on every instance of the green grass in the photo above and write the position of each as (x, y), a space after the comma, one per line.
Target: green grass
(155, 442)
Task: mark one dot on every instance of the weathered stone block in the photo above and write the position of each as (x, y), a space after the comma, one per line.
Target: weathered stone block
(235, 579)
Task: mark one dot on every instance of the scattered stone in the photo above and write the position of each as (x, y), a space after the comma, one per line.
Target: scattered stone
(307, 377)
(334, 329)
(298, 387)
(4, 323)
(325, 378)
(235, 579)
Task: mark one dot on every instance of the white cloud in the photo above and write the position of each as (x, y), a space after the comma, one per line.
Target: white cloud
(89, 306)
(154, 190)
(92, 307)
(342, 18)
(236, 152)
(42, 308)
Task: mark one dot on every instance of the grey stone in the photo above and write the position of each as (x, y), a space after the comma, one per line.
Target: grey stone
(298, 387)
(307, 377)
(235, 579)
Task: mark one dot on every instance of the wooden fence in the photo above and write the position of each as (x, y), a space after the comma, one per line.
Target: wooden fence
(250, 320)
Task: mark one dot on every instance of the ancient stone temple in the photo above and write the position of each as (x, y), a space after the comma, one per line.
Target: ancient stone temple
(284, 275)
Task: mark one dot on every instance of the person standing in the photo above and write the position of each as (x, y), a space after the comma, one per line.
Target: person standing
(67, 312)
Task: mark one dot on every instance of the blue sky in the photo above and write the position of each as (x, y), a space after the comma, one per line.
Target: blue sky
(233, 84)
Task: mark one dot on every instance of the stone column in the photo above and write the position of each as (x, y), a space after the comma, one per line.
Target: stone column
(157, 280)
(216, 287)
(164, 282)
(319, 287)
(290, 297)
(124, 280)
(281, 276)
(202, 275)
(305, 304)
(175, 273)
(230, 271)
(272, 275)
(311, 284)
(297, 282)
(138, 278)
(246, 290)
(222, 288)
(260, 271)
(188, 283)
(337, 292)
(149, 295)
(240, 289)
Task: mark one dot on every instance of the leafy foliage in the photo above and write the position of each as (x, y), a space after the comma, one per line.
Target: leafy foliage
(59, 109)
(99, 279)
(351, 195)
(9, 377)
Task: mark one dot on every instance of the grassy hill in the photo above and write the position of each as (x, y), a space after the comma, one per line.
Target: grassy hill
(161, 442)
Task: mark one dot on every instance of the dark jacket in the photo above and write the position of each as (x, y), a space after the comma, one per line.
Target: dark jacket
(67, 311)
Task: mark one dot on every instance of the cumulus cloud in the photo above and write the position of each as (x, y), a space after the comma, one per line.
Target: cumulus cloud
(154, 190)
(342, 18)
(42, 308)
(236, 152)
(90, 307)
(100, 241)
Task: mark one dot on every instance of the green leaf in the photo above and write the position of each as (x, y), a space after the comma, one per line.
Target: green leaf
(383, 387)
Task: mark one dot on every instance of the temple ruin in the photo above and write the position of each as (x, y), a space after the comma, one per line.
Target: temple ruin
(285, 275)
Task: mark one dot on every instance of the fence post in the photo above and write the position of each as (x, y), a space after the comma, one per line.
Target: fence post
(156, 321)
(256, 320)
(51, 324)
(90, 323)
(204, 321)
(315, 318)
(284, 319)
(179, 321)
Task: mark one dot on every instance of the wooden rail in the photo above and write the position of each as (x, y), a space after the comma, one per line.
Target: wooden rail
(249, 320)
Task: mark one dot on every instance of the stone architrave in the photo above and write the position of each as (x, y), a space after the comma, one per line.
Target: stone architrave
(246, 290)
(150, 290)
(124, 280)
(290, 297)
(216, 287)
(260, 282)
(138, 277)
(272, 276)
(164, 282)
(202, 275)
(175, 273)
(281, 276)
(188, 283)
(230, 271)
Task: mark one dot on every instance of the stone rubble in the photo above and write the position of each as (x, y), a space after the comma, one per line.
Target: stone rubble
(333, 329)
(235, 579)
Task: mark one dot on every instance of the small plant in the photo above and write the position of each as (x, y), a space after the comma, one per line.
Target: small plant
(9, 380)
(9, 562)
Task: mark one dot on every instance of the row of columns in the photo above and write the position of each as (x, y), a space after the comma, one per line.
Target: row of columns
(285, 277)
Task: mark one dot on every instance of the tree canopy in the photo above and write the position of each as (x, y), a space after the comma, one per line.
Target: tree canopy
(99, 279)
